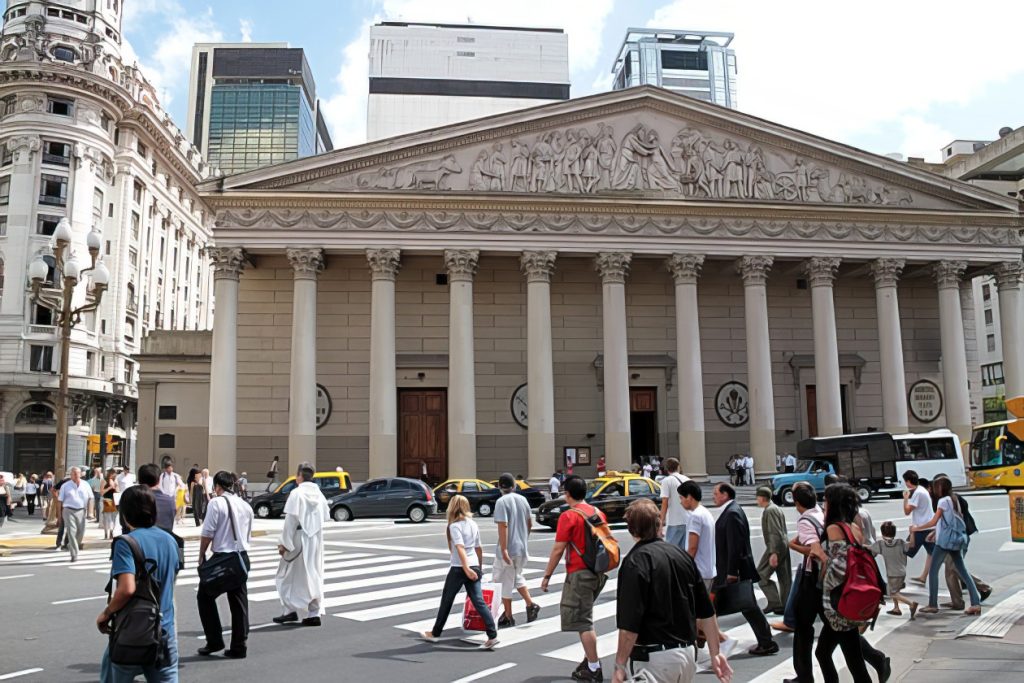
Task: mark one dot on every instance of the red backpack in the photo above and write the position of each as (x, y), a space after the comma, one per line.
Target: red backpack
(861, 594)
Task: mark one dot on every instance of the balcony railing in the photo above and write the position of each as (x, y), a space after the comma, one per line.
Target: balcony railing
(56, 159)
(42, 329)
(53, 201)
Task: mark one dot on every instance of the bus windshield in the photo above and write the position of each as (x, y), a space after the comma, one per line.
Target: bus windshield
(989, 450)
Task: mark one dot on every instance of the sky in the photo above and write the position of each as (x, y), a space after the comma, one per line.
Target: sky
(905, 76)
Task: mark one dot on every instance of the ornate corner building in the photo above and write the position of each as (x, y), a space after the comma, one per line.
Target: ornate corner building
(83, 137)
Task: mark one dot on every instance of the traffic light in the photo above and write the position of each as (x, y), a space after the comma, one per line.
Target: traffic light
(114, 444)
(94, 444)
(1015, 406)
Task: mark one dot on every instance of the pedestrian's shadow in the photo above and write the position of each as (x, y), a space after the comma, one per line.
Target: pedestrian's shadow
(90, 670)
(412, 652)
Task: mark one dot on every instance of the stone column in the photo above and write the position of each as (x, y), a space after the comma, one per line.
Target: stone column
(307, 264)
(384, 265)
(821, 274)
(613, 267)
(887, 273)
(1008, 277)
(754, 270)
(685, 270)
(228, 263)
(461, 265)
(540, 387)
(954, 353)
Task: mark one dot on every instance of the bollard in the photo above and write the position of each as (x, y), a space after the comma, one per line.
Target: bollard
(1017, 515)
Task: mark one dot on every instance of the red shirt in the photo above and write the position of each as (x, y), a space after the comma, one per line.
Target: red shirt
(572, 529)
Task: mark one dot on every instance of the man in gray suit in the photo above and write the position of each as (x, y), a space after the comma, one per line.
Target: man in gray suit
(776, 553)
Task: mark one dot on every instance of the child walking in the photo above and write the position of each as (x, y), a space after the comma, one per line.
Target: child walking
(894, 551)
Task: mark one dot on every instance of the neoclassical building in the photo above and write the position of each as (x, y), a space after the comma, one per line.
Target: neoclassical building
(633, 273)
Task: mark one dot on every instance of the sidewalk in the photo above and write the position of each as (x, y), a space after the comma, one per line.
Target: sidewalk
(997, 660)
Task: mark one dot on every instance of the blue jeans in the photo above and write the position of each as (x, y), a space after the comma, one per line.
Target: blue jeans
(789, 615)
(455, 580)
(676, 535)
(938, 558)
(116, 673)
(919, 542)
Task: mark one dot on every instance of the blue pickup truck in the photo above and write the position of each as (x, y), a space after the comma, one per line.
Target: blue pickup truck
(868, 461)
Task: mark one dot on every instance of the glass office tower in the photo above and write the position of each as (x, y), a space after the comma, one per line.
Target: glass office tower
(252, 105)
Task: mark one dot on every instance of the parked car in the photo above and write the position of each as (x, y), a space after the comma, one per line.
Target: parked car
(480, 494)
(271, 504)
(389, 497)
(611, 494)
(532, 494)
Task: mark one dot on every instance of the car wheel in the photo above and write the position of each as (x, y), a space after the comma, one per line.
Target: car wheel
(263, 511)
(341, 514)
(417, 514)
(787, 496)
(863, 493)
(485, 510)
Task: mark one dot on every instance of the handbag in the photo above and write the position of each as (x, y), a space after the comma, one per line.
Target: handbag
(471, 619)
(224, 572)
(733, 598)
(109, 505)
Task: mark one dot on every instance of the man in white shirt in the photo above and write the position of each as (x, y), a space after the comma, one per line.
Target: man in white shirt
(170, 481)
(208, 482)
(74, 497)
(224, 536)
(673, 515)
(700, 529)
(512, 517)
(918, 504)
(554, 484)
(648, 468)
(300, 572)
(125, 479)
(748, 463)
(789, 463)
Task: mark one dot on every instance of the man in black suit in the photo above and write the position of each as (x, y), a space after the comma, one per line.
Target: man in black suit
(735, 562)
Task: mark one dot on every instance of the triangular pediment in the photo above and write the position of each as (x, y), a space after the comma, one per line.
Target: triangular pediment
(639, 143)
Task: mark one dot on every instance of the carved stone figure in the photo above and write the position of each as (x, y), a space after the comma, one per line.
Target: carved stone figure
(498, 163)
(480, 177)
(519, 169)
(605, 156)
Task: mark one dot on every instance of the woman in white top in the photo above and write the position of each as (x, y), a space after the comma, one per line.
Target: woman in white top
(947, 511)
(463, 537)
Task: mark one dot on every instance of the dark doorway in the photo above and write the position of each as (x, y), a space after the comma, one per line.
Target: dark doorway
(423, 433)
(812, 409)
(643, 422)
(34, 453)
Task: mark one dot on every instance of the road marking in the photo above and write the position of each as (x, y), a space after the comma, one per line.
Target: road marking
(1011, 545)
(26, 672)
(272, 568)
(486, 672)
(990, 531)
(390, 565)
(68, 602)
(16, 576)
(365, 583)
(391, 548)
(998, 620)
(397, 592)
(257, 627)
(541, 627)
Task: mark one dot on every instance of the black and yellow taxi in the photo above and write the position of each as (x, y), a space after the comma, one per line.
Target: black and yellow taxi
(272, 504)
(611, 494)
(533, 495)
(479, 493)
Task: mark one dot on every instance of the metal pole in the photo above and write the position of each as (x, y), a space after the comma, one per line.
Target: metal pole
(61, 445)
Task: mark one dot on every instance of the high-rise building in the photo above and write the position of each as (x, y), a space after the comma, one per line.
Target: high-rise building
(429, 75)
(694, 63)
(253, 104)
(83, 138)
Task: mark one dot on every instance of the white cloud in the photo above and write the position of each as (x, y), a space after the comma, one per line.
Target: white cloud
(245, 28)
(923, 138)
(839, 69)
(583, 21)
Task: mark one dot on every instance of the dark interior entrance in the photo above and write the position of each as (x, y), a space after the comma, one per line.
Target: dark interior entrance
(643, 422)
(423, 433)
(812, 409)
(34, 453)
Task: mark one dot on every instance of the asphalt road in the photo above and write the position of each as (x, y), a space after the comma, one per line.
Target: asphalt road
(383, 586)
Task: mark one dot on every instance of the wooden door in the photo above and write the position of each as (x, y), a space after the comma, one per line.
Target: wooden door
(812, 410)
(423, 433)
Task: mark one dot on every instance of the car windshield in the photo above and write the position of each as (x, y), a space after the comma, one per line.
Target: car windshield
(803, 465)
(594, 485)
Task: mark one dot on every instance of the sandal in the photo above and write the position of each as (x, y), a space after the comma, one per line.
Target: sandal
(913, 610)
(929, 610)
(489, 645)
(895, 612)
(429, 637)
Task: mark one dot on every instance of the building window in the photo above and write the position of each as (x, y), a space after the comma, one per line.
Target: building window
(9, 105)
(53, 190)
(46, 224)
(165, 441)
(992, 374)
(133, 257)
(41, 358)
(6, 155)
(90, 363)
(986, 292)
(58, 153)
(141, 149)
(129, 371)
(990, 342)
(5, 189)
(97, 205)
(43, 316)
(3, 226)
(129, 332)
(64, 54)
(60, 107)
(988, 316)
(136, 221)
(137, 192)
(167, 413)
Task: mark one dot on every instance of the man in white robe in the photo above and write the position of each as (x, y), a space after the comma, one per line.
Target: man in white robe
(300, 582)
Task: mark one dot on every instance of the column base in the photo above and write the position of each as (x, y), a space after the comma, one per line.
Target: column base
(693, 455)
(383, 455)
(762, 448)
(618, 451)
(223, 453)
(301, 448)
(462, 456)
(541, 455)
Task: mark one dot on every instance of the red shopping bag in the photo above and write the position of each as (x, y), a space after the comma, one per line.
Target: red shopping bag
(471, 619)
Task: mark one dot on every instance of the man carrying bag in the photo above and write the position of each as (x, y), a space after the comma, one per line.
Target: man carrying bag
(228, 529)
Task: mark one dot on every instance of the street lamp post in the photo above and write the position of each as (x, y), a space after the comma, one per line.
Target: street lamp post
(61, 302)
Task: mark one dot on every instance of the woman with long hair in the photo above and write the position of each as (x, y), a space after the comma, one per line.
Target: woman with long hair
(463, 538)
(109, 513)
(948, 514)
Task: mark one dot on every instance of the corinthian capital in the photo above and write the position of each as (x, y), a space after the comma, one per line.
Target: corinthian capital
(307, 263)
(384, 263)
(754, 269)
(1008, 275)
(461, 264)
(887, 271)
(613, 266)
(228, 262)
(821, 270)
(23, 147)
(685, 268)
(537, 266)
(949, 273)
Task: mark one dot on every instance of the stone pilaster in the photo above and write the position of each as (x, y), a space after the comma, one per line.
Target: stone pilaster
(613, 267)
(384, 265)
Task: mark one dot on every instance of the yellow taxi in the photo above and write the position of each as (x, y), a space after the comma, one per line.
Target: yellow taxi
(611, 494)
(532, 494)
(479, 493)
(272, 504)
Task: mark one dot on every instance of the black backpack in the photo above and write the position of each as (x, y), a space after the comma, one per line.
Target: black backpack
(137, 637)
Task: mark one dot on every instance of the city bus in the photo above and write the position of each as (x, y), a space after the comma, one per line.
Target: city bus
(996, 457)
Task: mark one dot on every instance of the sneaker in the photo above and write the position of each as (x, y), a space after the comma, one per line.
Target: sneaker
(581, 669)
(504, 621)
(489, 644)
(985, 593)
(583, 673)
(533, 611)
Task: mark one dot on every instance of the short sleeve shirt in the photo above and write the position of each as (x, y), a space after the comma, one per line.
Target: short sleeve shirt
(572, 529)
(157, 545)
(946, 507)
(922, 504)
(676, 514)
(702, 524)
(554, 484)
(218, 527)
(466, 533)
(75, 497)
(513, 510)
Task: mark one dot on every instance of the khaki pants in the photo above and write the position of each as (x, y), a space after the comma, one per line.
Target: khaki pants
(667, 666)
(74, 529)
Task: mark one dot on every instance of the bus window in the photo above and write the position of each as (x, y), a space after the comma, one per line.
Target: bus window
(912, 449)
(941, 449)
(1013, 451)
(983, 447)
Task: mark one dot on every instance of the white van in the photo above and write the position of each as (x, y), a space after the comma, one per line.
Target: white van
(930, 454)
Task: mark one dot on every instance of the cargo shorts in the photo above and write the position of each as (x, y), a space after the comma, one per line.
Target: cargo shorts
(578, 595)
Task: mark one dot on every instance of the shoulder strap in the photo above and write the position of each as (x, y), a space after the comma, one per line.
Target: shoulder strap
(231, 518)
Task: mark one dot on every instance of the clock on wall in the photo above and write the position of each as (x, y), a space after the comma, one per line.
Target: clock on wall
(518, 406)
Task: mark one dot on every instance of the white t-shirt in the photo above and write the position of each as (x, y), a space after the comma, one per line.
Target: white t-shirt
(702, 523)
(676, 515)
(554, 485)
(125, 480)
(922, 504)
(648, 469)
(790, 460)
(466, 533)
(947, 509)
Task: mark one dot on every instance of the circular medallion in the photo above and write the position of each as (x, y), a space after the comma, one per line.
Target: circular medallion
(732, 404)
(518, 406)
(925, 400)
(323, 406)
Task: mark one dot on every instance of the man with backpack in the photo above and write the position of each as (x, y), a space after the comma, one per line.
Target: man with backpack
(142, 641)
(585, 540)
